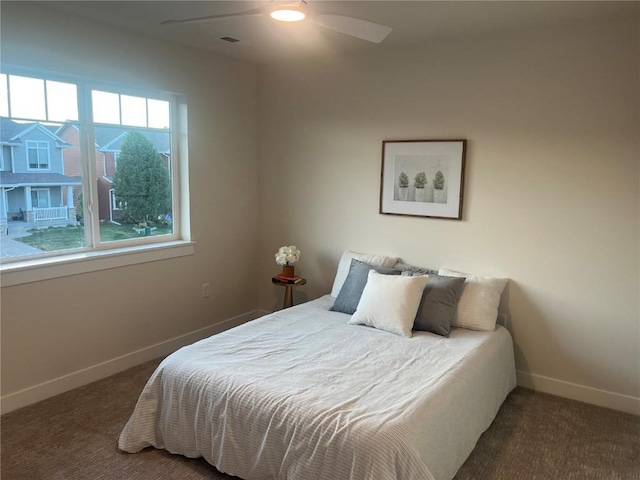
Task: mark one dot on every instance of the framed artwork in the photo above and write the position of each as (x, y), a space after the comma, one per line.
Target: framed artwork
(422, 178)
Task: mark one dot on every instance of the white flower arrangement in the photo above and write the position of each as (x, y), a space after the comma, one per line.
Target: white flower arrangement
(287, 255)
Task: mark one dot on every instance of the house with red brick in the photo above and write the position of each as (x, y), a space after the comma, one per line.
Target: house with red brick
(107, 146)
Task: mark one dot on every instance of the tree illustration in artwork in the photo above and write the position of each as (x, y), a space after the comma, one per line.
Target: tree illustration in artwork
(439, 193)
(403, 184)
(438, 181)
(403, 180)
(419, 181)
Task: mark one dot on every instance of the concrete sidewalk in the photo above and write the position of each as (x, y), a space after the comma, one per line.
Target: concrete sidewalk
(10, 248)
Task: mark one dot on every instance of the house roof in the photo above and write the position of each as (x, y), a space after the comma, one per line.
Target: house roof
(11, 132)
(109, 139)
(9, 179)
(9, 129)
(60, 130)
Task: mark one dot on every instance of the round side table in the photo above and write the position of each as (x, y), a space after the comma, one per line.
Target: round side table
(288, 290)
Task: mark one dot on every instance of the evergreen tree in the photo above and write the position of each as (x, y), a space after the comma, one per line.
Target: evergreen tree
(420, 180)
(438, 181)
(142, 182)
(403, 180)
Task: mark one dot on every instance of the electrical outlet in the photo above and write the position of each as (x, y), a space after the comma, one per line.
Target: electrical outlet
(206, 290)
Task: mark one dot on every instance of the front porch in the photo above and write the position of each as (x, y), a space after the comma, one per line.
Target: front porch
(38, 198)
(43, 214)
(52, 213)
(20, 228)
(30, 207)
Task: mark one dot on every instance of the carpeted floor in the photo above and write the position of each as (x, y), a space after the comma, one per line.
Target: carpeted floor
(534, 437)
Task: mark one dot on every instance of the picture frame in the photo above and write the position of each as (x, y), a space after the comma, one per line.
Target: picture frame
(423, 178)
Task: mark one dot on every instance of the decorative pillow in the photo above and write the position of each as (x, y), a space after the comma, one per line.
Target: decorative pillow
(412, 270)
(389, 302)
(345, 263)
(437, 309)
(478, 305)
(351, 291)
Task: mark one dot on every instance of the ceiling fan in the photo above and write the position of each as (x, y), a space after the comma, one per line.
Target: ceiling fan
(300, 10)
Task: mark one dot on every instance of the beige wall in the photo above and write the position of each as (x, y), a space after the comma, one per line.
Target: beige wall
(58, 327)
(551, 196)
(551, 199)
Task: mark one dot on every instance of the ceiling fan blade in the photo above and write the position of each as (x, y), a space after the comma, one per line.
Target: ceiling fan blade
(247, 13)
(354, 27)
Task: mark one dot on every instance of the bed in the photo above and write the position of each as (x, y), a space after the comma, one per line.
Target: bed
(301, 394)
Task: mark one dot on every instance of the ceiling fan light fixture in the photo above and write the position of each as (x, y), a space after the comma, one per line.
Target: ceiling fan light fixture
(287, 15)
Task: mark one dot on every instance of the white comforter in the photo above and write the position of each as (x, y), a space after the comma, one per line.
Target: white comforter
(299, 394)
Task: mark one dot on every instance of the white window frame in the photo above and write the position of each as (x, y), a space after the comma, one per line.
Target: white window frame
(95, 255)
(38, 145)
(37, 191)
(114, 200)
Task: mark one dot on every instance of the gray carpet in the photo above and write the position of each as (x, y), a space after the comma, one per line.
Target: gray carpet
(535, 436)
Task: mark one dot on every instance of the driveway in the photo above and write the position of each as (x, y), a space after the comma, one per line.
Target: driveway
(13, 248)
(9, 247)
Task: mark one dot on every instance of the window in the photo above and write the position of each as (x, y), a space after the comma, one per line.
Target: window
(40, 198)
(134, 162)
(72, 131)
(38, 155)
(115, 204)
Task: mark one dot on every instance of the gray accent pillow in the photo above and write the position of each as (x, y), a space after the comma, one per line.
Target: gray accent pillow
(413, 270)
(351, 291)
(437, 308)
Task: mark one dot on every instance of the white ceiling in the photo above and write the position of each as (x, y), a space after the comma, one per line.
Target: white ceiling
(263, 40)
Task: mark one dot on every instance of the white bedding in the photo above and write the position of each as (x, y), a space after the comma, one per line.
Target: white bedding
(301, 395)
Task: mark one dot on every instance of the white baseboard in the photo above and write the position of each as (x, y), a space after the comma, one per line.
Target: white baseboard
(47, 389)
(102, 370)
(582, 393)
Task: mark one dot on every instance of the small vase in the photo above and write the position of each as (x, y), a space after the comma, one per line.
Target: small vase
(288, 270)
(440, 196)
(428, 194)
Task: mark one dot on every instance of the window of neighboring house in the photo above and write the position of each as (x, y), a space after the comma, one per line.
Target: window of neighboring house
(137, 206)
(38, 155)
(115, 204)
(40, 198)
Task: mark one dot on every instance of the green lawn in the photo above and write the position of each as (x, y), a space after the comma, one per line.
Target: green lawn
(67, 238)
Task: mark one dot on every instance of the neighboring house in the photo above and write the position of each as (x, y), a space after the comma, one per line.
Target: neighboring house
(70, 133)
(108, 143)
(34, 184)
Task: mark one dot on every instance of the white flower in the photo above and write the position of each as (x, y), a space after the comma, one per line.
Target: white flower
(287, 255)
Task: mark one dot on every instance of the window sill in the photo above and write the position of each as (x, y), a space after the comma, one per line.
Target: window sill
(37, 270)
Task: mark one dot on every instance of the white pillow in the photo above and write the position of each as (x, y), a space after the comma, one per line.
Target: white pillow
(390, 302)
(345, 263)
(478, 305)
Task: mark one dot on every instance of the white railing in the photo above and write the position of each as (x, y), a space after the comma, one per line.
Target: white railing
(53, 213)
